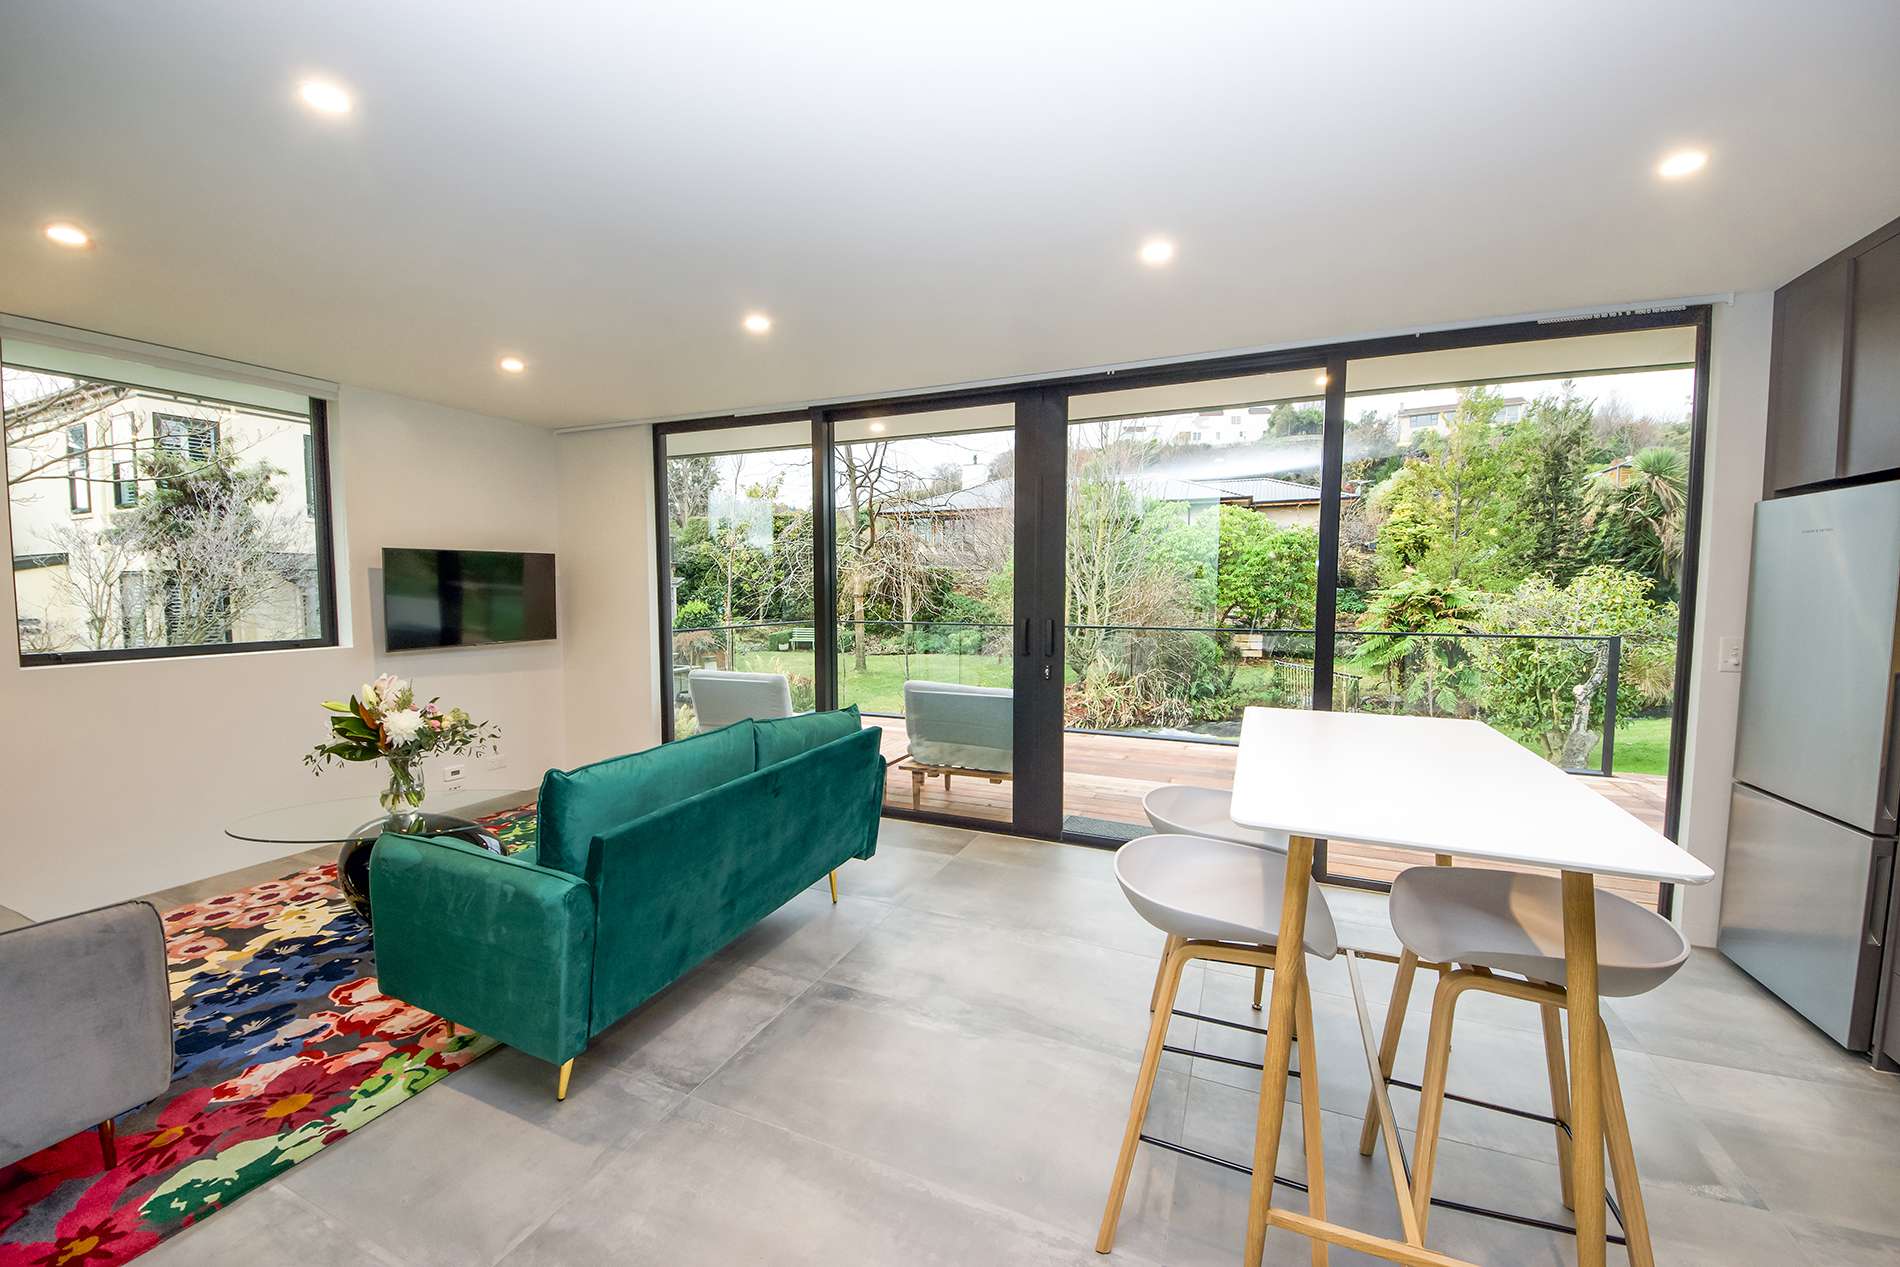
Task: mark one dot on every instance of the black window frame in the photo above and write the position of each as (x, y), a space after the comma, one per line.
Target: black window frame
(325, 542)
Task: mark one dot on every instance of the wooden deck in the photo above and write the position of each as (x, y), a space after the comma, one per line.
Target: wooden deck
(1107, 775)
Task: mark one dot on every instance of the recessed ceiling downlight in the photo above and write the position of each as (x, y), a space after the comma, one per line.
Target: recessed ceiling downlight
(1682, 163)
(512, 364)
(756, 323)
(324, 96)
(1156, 251)
(66, 233)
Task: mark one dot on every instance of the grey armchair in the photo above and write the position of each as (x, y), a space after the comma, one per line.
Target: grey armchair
(956, 729)
(85, 1025)
(721, 697)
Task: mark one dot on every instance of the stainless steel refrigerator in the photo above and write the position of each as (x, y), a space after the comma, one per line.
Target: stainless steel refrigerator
(1807, 884)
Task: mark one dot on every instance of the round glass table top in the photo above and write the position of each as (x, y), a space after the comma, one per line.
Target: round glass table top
(349, 817)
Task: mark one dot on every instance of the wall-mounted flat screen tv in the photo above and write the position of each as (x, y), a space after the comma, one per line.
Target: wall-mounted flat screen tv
(466, 598)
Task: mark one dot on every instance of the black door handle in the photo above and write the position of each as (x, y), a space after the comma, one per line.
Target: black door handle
(1052, 639)
(1026, 624)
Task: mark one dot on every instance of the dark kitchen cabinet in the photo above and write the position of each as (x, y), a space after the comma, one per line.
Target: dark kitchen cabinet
(1873, 394)
(1834, 377)
(1810, 355)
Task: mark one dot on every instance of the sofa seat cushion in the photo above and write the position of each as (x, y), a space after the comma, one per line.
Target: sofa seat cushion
(578, 805)
(785, 737)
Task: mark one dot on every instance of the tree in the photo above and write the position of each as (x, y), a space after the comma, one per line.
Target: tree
(1545, 459)
(1548, 690)
(1640, 524)
(1424, 671)
(1439, 511)
(689, 485)
(93, 580)
(872, 475)
(1268, 575)
(211, 531)
(38, 409)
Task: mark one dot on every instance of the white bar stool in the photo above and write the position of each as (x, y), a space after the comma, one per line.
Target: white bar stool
(1204, 811)
(1174, 809)
(1217, 900)
(1489, 922)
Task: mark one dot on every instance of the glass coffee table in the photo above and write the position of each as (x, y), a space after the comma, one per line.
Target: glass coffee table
(353, 823)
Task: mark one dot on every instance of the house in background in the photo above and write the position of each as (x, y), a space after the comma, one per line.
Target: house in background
(1409, 424)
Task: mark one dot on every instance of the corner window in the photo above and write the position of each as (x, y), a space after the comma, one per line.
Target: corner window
(217, 536)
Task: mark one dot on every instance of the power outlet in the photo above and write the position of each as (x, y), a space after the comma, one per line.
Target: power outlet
(497, 756)
(454, 776)
(1728, 655)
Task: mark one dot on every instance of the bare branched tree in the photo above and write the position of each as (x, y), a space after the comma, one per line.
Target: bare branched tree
(93, 580)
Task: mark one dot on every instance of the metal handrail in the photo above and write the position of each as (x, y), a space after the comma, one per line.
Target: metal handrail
(1611, 684)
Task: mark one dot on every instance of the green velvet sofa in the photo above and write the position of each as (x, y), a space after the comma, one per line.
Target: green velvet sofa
(644, 866)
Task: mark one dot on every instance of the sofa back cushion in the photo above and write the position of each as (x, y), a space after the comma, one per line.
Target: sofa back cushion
(578, 805)
(786, 737)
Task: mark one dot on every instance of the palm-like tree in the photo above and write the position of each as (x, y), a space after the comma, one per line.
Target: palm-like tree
(1639, 523)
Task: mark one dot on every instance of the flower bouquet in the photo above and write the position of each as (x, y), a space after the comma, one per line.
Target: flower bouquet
(383, 722)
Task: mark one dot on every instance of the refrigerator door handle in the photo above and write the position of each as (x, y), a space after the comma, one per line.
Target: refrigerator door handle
(1878, 898)
(1890, 777)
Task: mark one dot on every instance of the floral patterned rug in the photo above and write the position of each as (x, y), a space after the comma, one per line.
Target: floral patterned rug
(283, 1045)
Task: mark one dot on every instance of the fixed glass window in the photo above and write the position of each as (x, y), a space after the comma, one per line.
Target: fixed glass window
(213, 537)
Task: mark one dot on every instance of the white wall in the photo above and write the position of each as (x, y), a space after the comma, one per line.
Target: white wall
(610, 596)
(1737, 434)
(119, 778)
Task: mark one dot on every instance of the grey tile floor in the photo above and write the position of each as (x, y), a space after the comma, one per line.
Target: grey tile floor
(937, 1070)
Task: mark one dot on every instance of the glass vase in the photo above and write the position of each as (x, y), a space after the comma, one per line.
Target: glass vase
(402, 798)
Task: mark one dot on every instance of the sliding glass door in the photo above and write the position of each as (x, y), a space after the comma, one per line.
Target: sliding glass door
(1191, 560)
(924, 533)
(1055, 598)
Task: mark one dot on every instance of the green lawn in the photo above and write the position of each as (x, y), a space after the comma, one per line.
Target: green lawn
(879, 686)
(1642, 747)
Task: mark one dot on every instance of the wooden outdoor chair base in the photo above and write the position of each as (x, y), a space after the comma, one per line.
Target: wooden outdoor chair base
(919, 771)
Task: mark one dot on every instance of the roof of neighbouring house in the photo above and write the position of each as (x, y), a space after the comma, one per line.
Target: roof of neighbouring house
(989, 495)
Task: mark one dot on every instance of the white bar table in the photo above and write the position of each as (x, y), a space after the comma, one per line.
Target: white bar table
(1436, 786)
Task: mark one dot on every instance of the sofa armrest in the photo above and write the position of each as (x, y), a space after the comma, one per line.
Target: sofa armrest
(85, 1023)
(500, 945)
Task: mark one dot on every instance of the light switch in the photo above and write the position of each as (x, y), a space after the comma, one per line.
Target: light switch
(1729, 655)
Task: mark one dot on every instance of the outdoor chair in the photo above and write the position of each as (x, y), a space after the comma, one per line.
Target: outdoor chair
(958, 729)
(721, 697)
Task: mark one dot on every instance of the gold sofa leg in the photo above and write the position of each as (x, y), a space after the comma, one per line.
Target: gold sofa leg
(560, 1087)
(834, 888)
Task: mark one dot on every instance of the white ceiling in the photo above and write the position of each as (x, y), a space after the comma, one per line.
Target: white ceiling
(917, 194)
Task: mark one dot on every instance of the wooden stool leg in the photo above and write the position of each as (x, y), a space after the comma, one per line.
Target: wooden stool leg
(1389, 1044)
(1161, 972)
(916, 789)
(1629, 1189)
(1259, 986)
(1144, 1090)
(1586, 1074)
(1559, 1096)
(1309, 1116)
(1431, 1101)
(109, 1143)
(1269, 1115)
